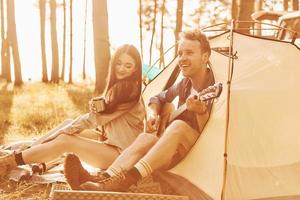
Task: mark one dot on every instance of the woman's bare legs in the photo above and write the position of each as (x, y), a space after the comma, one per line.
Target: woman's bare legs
(93, 152)
(52, 132)
(128, 158)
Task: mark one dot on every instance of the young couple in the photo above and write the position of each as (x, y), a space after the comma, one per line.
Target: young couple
(127, 154)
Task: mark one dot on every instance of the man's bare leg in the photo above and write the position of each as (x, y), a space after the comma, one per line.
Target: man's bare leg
(178, 137)
(133, 153)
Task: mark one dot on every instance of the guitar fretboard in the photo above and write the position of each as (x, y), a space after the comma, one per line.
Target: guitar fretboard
(207, 94)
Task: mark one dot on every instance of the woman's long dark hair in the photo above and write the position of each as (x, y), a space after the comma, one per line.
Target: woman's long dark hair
(135, 77)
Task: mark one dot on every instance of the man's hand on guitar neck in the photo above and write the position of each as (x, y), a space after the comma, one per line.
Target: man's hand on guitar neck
(195, 105)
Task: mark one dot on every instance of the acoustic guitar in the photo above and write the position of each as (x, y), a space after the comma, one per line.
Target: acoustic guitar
(168, 114)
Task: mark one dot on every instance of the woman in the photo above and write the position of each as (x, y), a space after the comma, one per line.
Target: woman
(118, 123)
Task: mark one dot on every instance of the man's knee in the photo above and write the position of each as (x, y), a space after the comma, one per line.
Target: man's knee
(178, 128)
(182, 133)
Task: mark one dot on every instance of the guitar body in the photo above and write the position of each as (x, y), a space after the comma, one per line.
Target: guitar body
(168, 112)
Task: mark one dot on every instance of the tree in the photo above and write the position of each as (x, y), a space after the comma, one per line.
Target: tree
(62, 76)
(2, 34)
(141, 28)
(285, 5)
(71, 42)
(258, 27)
(84, 42)
(214, 11)
(5, 54)
(13, 41)
(149, 11)
(234, 10)
(42, 6)
(161, 46)
(295, 4)
(153, 31)
(246, 9)
(178, 29)
(54, 45)
(101, 43)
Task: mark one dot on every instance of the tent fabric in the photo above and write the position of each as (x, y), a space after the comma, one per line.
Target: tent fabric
(263, 137)
(263, 154)
(159, 83)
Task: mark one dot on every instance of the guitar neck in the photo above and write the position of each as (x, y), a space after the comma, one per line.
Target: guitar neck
(177, 112)
(207, 94)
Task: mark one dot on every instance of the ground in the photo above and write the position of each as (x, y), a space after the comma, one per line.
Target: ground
(32, 110)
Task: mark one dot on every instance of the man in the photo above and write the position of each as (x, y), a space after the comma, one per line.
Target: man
(148, 153)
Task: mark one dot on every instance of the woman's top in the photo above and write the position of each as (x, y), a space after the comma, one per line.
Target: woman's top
(122, 131)
(121, 121)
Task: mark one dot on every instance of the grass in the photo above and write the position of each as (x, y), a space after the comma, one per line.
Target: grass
(32, 110)
(23, 190)
(35, 108)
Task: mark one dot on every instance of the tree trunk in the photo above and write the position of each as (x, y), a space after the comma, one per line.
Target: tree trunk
(258, 6)
(62, 76)
(161, 46)
(54, 45)
(101, 43)
(178, 28)
(71, 43)
(13, 41)
(285, 5)
(295, 5)
(141, 29)
(42, 5)
(2, 35)
(5, 54)
(246, 9)
(84, 42)
(153, 32)
(234, 10)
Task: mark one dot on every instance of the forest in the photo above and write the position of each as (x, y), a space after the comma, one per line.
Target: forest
(158, 20)
(55, 55)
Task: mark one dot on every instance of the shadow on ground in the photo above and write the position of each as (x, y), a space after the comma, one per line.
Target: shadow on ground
(6, 98)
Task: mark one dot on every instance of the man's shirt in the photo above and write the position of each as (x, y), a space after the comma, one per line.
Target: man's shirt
(183, 90)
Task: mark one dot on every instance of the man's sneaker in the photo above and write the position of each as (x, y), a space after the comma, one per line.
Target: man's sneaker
(117, 183)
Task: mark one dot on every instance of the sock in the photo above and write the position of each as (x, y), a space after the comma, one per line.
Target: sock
(19, 159)
(112, 171)
(39, 168)
(143, 168)
(106, 175)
